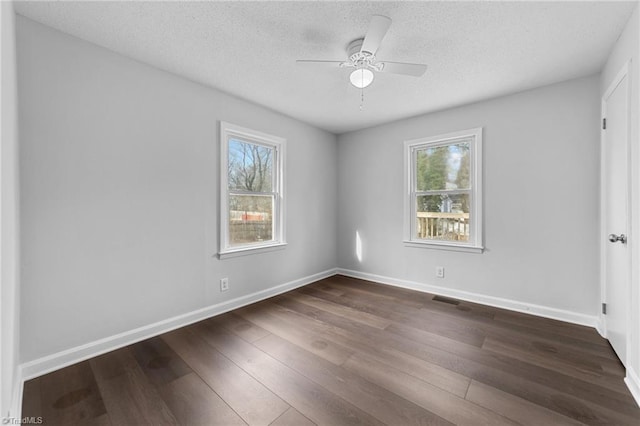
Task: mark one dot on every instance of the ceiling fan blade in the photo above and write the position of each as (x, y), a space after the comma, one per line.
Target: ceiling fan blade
(335, 64)
(415, 70)
(377, 30)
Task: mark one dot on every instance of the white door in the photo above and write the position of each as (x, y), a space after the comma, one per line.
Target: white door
(615, 210)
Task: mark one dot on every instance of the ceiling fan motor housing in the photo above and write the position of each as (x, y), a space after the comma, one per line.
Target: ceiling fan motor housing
(354, 47)
(359, 58)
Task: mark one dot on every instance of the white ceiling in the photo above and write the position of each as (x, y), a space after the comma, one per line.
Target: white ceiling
(475, 50)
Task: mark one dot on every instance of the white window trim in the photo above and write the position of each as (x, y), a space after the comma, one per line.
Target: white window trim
(279, 145)
(476, 220)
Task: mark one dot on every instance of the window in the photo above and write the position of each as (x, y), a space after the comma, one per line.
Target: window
(443, 194)
(251, 204)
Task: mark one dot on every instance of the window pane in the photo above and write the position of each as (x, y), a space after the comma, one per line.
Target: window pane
(250, 218)
(443, 167)
(443, 217)
(250, 166)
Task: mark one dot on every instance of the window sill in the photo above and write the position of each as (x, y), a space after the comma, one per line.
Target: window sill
(444, 246)
(245, 251)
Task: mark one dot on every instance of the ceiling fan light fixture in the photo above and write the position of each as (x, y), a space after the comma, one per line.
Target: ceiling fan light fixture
(361, 77)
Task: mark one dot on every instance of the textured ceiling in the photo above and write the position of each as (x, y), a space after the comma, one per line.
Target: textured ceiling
(475, 50)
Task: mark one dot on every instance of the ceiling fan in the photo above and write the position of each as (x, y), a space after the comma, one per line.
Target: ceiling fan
(361, 55)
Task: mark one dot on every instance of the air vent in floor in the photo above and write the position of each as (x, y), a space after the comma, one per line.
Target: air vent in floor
(446, 300)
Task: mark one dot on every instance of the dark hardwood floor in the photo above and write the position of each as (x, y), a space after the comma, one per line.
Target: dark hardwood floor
(344, 351)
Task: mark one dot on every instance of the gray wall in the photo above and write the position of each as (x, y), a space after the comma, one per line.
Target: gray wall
(119, 169)
(9, 289)
(541, 205)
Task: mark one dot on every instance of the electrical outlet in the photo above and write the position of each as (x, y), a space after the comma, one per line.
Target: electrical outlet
(439, 271)
(224, 284)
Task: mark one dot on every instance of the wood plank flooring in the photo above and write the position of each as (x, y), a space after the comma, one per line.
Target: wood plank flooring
(344, 351)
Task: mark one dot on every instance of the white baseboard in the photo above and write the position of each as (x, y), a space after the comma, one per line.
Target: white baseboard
(70, 356)
(633, 383)
(600, 327)
(498, 302)
(16, 397)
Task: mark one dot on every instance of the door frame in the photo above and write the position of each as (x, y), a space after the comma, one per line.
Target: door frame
(602, 319)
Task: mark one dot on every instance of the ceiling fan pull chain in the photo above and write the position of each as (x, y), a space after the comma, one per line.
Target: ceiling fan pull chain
(361, 98)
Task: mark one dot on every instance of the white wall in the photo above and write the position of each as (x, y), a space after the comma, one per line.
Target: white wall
(541, 189)
(119, 169)
(627, 48)
(9, 288)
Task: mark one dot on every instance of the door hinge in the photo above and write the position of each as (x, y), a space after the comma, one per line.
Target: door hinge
(604, 309)
(604, 124)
